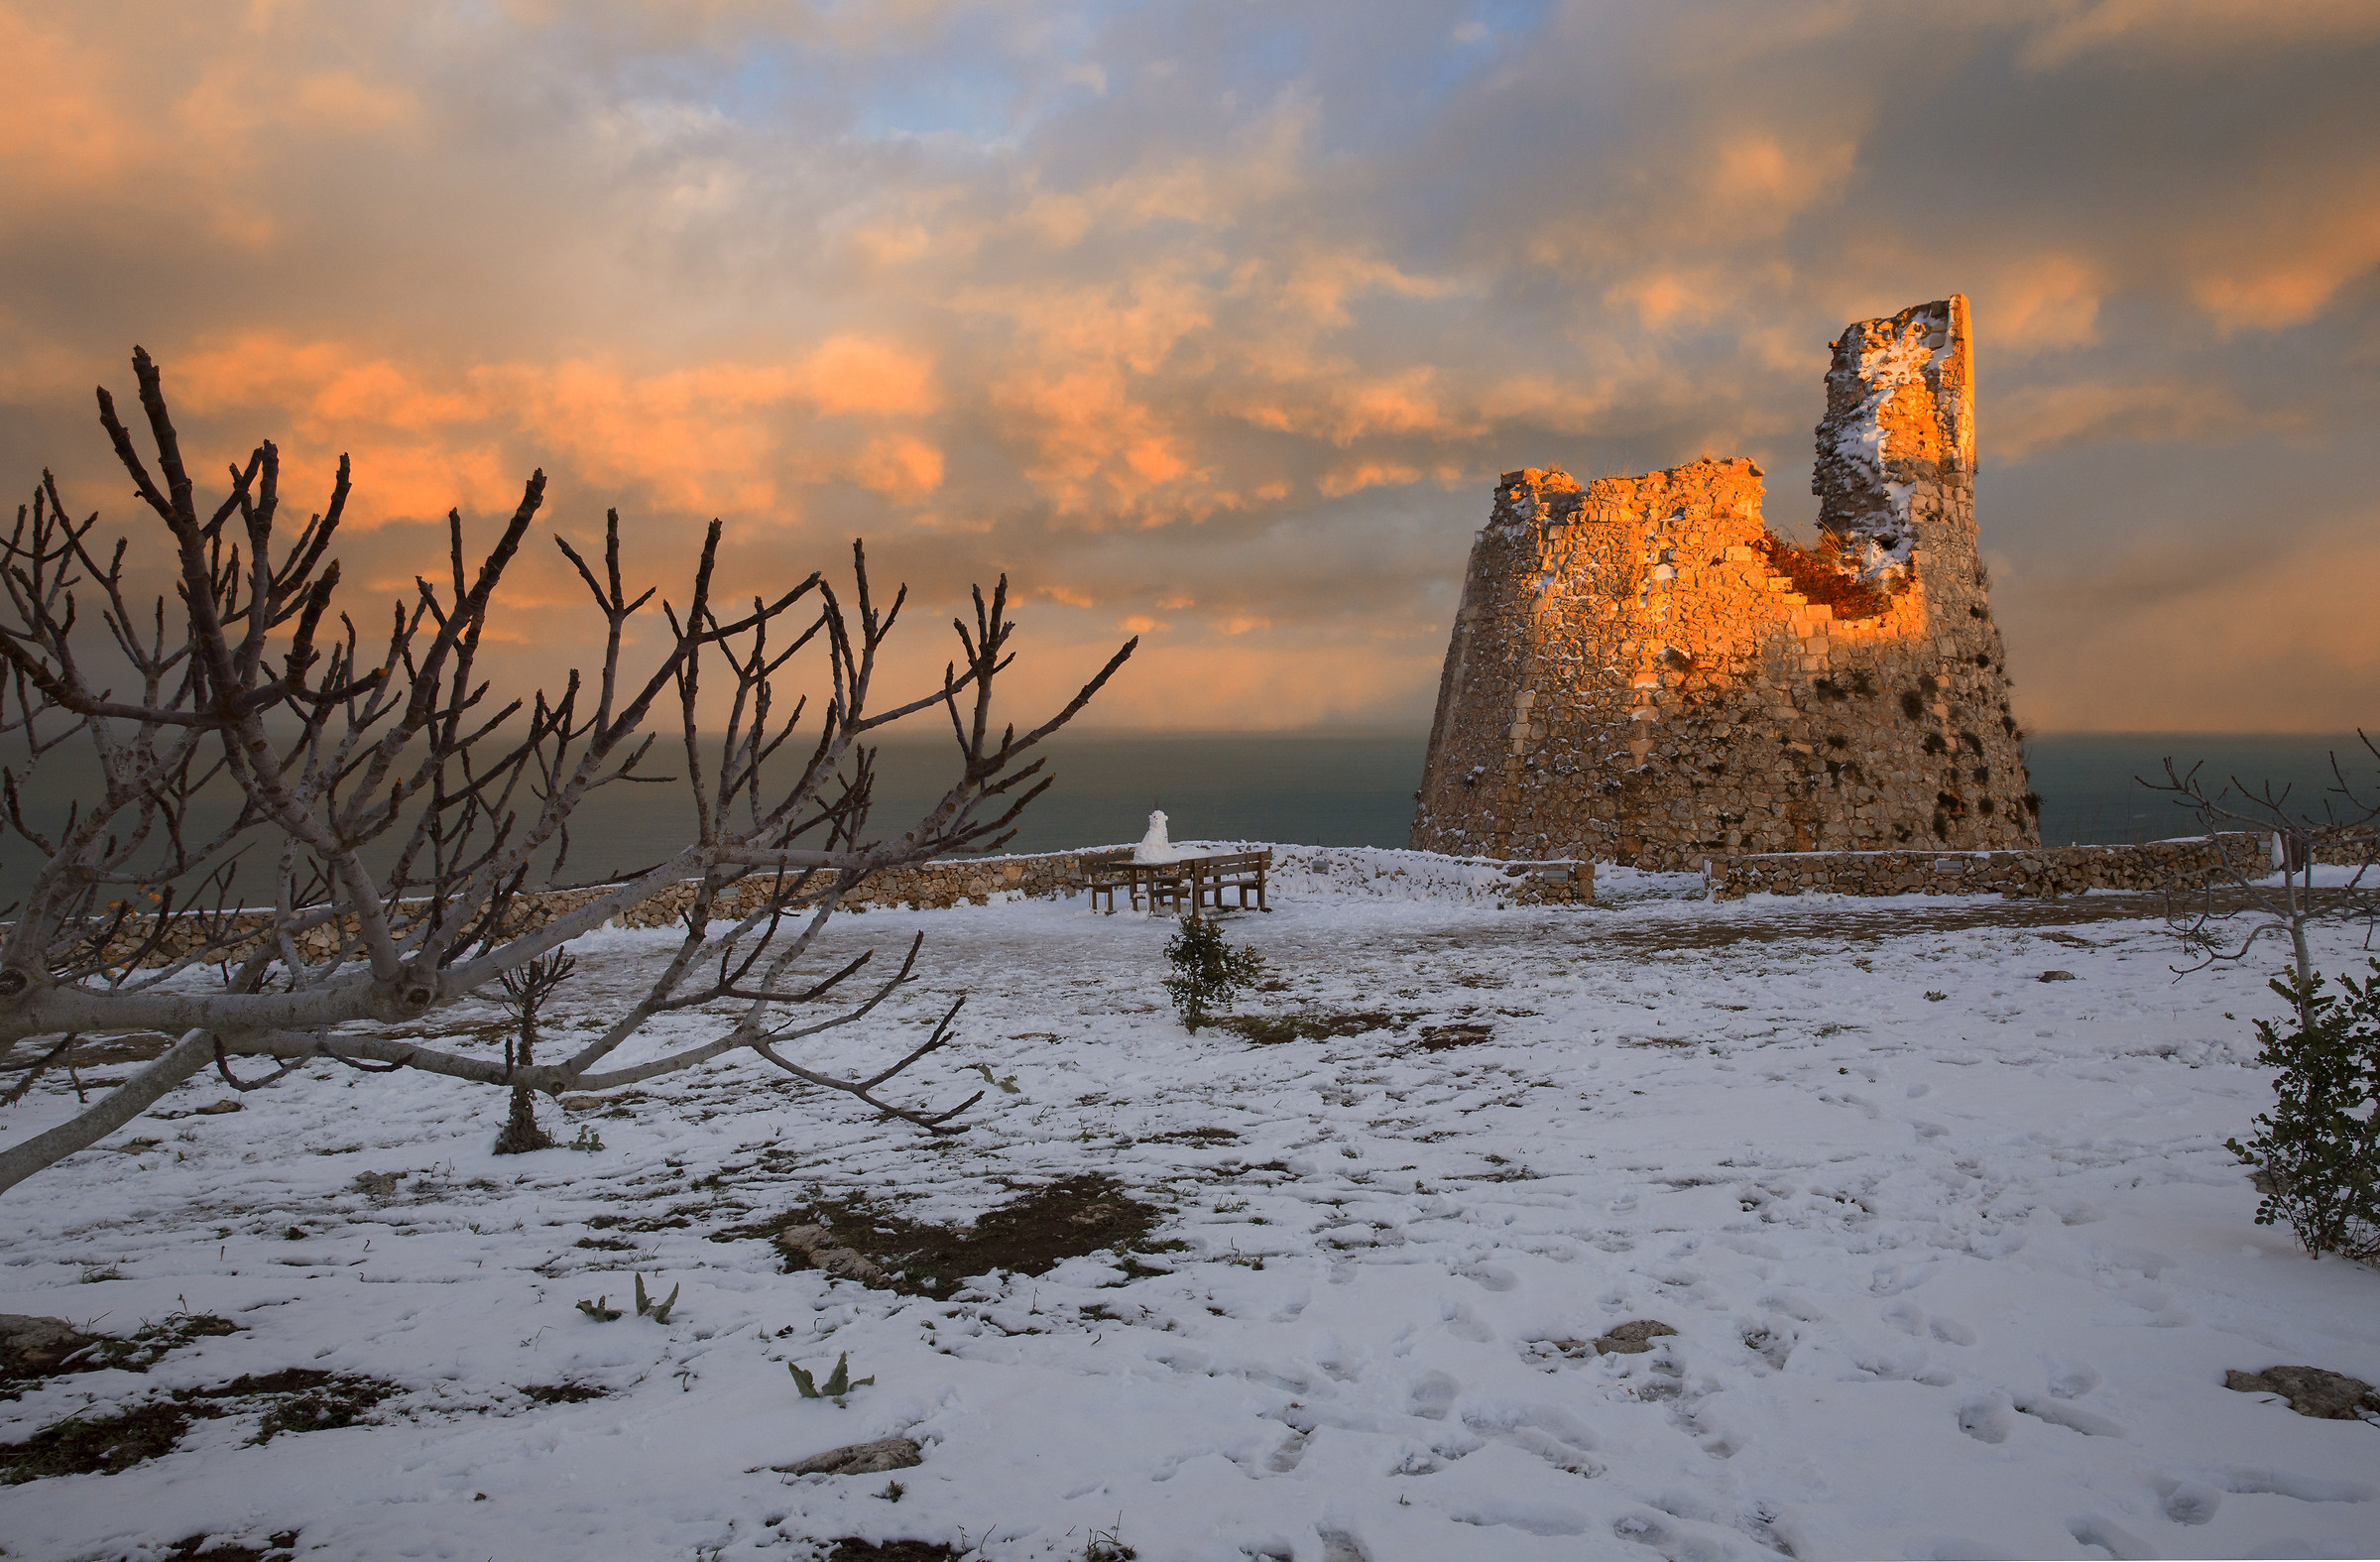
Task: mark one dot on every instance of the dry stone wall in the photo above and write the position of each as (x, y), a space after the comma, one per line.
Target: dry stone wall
(2039, 872)
(979, 881)
(923, 886)
(1640, 671)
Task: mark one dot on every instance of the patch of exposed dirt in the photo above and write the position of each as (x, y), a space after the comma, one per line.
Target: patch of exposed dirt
(1031, 1234)
(1272, 1030)
(31, 1349)
(194, 1548)
(562, 1392)
(648, 1222)
(134, 1046)
(1196, 1135)
(295, 1400)
(97, 1444)
(1437, 1038)
(306, 1401)
(854, 1550)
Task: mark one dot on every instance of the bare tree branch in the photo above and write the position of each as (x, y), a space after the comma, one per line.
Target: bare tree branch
(2277, 881)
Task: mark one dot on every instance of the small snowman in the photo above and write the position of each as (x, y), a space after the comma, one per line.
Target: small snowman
(1154, 847)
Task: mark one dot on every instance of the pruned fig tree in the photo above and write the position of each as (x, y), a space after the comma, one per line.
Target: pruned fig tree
(293, 839)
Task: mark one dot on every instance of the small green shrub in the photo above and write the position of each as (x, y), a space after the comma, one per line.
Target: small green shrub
(2316, 1154)
(1208, 972)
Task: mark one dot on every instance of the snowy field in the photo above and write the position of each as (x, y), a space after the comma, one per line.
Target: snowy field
(1953, 1257)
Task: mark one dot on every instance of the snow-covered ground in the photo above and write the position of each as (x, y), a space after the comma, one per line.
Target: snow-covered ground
(1954, 1254)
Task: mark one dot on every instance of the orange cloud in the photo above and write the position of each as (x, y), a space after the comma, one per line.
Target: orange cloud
(2045, 302)
(900, 467)
(1094, 446)
(1666, 297)
(856, 375)
(714, 438)
(1758, 176)
(65, 129)
(1345, 480)
(2293, 282)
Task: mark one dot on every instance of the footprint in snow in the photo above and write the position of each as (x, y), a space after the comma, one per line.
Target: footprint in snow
(2093, 1529)
(2073, 1417)
(2073, 1381)
(1431, 1392)
(1986, 1420)
(2189, 1501)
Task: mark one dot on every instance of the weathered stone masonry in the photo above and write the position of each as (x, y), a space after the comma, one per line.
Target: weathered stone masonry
(1641, 672)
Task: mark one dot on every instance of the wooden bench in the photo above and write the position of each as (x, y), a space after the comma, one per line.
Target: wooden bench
(1187, 886)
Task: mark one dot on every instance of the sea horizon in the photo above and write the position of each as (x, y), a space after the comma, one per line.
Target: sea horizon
(1324, 786)
(1351, 786)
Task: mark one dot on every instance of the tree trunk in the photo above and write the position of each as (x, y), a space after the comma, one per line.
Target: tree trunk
(521, 1132)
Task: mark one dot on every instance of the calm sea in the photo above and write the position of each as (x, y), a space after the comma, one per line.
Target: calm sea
(1325, 791)
(1358, 791)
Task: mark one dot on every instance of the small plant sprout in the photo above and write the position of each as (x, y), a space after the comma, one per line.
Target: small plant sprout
(893, 1492)
(658, 1311)
(838, 1383)
(598, 1311)
(1209, 972)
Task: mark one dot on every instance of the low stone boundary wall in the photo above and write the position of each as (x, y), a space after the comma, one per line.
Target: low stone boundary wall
(2185, 864)
(2351, 848)
(925, 887)
(1384, 873)
(979, 881)
(922, 887)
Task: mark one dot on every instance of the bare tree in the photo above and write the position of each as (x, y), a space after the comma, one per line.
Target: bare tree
(299, 843)
(2277, 883)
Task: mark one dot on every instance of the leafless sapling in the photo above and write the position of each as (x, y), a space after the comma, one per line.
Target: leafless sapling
(524, 993)
(2272, 846)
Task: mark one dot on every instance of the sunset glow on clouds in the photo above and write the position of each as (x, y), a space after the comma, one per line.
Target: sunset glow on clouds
(1216, 321)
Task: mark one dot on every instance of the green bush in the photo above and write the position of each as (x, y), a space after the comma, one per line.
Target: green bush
(2316, 1154)
(1209, 973)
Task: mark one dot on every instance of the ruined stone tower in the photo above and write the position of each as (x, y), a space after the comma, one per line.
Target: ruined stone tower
(1641, 672)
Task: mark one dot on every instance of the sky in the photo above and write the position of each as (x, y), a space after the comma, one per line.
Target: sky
(1214, 322)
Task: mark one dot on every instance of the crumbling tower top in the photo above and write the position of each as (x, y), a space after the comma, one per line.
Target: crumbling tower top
(1641, 671)
(1900, 411)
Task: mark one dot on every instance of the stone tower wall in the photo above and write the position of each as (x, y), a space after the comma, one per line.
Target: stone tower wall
(1634, 676)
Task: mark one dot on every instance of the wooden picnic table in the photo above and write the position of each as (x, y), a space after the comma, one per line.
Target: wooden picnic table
(1188, 884)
